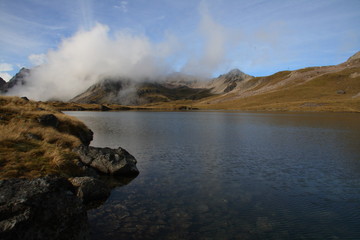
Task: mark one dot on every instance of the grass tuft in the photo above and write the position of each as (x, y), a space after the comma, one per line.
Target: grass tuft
(28, 149)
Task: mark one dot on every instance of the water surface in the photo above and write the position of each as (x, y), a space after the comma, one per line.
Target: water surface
(232, 175)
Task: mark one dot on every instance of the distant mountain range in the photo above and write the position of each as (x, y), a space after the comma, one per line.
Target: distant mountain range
(328, 88)
(311, 89)
(174, 87)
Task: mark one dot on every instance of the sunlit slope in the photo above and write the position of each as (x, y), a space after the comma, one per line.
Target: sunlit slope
(331, 88)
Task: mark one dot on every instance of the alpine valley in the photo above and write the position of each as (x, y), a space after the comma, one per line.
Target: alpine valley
(328, 88)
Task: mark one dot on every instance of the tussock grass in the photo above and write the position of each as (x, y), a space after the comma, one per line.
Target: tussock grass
(28, 149)
(318, 95)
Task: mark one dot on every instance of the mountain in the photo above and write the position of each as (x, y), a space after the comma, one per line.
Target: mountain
(328, 88)
(17, 80)
(176, 86)
(354, 58)
(129, 92)
(227, 82)
(2, 84)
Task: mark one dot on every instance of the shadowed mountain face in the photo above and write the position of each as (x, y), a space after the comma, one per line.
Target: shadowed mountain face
(2, 85)
(128, 92)
(18, 80)
(174, 87)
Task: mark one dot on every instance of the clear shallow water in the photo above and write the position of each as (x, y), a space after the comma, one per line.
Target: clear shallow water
(231, 175)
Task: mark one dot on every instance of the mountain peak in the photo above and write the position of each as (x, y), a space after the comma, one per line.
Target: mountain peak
(235, 75)
(235, 71)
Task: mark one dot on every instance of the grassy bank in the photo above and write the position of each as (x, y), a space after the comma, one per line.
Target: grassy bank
(28, 148)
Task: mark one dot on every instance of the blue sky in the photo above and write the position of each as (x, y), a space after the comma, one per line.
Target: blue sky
(210, 37)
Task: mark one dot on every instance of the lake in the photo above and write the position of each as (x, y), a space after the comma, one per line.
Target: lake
(231, 175)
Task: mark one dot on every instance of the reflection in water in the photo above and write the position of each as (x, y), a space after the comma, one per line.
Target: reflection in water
(230, 175)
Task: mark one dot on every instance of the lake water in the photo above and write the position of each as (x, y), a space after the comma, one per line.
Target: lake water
(231, 175)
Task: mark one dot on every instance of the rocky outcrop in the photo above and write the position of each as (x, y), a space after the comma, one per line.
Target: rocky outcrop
(108, 161)
(90, 190)
(41, 209)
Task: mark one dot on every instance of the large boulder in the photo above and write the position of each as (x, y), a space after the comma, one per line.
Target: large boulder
(42, 208)
(108, 161)
(90, 190)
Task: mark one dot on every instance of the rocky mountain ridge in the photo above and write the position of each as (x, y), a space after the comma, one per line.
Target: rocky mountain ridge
(17, 80)
(176, 86)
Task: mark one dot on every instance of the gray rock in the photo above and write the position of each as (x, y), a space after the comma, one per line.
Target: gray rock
(48, 120)
(90, 190)
(109, 161)
(340, 92)
(42, 208)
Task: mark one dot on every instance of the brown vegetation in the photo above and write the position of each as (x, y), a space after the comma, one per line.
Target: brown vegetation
(337, 91)
(29, 149)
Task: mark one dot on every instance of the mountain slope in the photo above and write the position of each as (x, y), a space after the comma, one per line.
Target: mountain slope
(228, 82)
(329, 88)
(176, 86)
(18, 80)
(128, 92)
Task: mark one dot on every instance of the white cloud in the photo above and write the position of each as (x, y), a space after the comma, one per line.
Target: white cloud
(216, 40)
(123, 6)
(37, 59)
(90, 56)
(6, 76)
(5, 67)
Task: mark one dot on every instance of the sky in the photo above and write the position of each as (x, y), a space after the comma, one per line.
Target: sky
(201, 37)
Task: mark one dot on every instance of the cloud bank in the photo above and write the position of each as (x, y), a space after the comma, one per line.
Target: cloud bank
(216, 38)
(90, 56)
(95, 54)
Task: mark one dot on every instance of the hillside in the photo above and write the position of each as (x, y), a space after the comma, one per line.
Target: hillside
(37, 140)
(174, 87)
(128, 92)
(18, 80)
(329, 88)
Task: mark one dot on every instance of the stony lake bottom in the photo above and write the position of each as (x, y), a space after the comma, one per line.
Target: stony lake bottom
(231, 175)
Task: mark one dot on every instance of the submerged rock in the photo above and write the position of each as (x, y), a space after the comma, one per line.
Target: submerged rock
(90, 190)
(42, 208)
(108, 161)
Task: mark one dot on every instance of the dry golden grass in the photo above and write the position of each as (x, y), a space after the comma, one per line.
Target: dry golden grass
(319, 94)
(28, 149)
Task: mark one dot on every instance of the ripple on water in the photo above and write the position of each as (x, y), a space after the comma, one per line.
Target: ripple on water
(221, 175)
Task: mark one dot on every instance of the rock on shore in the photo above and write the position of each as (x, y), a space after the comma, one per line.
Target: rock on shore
(43, 208)
(108, 161)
